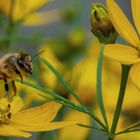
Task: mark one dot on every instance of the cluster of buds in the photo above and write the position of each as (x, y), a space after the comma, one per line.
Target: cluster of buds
(101, 25)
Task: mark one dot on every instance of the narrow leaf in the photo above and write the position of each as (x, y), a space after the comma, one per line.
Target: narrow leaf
(132, 128)
(129, 131)
(62, 100)
(137, 124)
(61, 80)
(92, 127)
(99, 86)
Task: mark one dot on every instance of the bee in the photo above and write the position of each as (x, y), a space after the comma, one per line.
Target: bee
(13, 65)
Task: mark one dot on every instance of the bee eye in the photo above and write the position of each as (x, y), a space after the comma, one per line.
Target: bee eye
(20, 63)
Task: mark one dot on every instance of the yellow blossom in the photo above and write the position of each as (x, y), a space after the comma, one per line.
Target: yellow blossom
(25, 11)
(41, 18)
(129, 136)
(75, 132)
(46, 75)
(77, 38)
(85, 87)
(14, 122)
(30, 94)
(126, 54)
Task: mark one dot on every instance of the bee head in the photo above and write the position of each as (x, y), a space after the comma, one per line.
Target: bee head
(24, 63)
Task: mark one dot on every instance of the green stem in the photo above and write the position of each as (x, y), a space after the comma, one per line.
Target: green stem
(4, 138)
(10, 27)
(110, 138)
(9, 34)
(124, 78)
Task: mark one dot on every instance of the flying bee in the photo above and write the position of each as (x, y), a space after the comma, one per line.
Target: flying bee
(13, 65)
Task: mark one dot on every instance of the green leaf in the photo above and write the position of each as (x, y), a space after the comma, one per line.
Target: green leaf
(48, 91)
(129, 131)
(61, 80)
(132, 128)
(58, 98)
(71, 90)
(99, 86)
(137, 124)
(92, 127)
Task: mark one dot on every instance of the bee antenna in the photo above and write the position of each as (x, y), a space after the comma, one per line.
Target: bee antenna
(39, 53)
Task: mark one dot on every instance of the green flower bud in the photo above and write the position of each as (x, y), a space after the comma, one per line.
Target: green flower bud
(101, 25)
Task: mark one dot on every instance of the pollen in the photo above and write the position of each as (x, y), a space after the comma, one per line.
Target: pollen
(5, 114)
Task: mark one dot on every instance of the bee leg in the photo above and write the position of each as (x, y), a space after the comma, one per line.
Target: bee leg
(14, 87)
(6, 86)
(17, 72)
(21, 77)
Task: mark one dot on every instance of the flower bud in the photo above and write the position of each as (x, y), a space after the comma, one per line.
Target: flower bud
(101, 25)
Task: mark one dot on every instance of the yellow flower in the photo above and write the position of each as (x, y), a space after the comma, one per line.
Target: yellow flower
(87, 68)
(41, 18)
(129, 136)
(46, 75)
(77, 38)
(85, 87)
(30, 94)
(14, 122)
(75, 132)
(24, 10)
(126, 54)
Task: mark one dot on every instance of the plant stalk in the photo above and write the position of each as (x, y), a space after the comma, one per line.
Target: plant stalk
(124, 78)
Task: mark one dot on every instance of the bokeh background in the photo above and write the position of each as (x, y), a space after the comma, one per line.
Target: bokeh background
(63, 31)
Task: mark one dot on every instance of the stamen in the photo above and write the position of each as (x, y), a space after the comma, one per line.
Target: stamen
(9, 106)
(9, 115)
(5, 115)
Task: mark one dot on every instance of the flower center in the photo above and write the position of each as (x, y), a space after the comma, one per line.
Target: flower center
(5, 115)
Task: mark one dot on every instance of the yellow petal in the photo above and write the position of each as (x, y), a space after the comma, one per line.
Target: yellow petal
(131, 100)
(3, 103)
(46, 75)
(37, 115)
(7, 130)
(122, 24)
(18, 11)
(129, 136)
(135, 4)
(135, 74)
(35, 4)
(75, 132)
(16, 104)
(41, 18)
(32, 94)
(43, 126)
(122, 53)
(21, 8)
